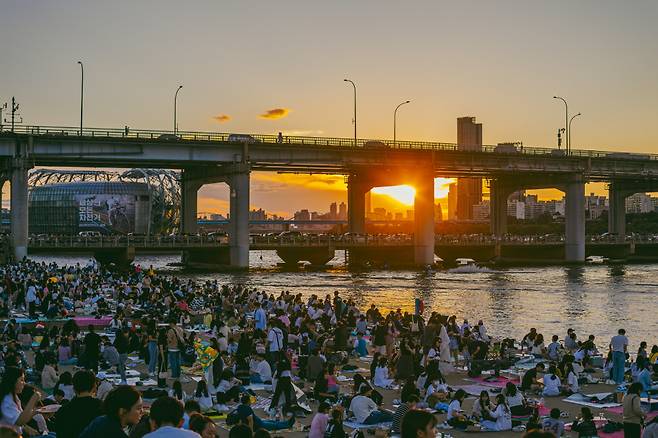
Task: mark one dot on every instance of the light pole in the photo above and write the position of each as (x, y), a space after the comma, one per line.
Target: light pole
(395, 121)
(175, 99)
(566, 122)
(569, 136)
(353, 85)
(82, 89)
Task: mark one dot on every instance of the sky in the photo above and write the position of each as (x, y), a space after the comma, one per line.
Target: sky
(264, 67)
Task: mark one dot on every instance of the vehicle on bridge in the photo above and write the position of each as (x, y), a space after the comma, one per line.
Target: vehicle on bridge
(169, 137)
(242, 138)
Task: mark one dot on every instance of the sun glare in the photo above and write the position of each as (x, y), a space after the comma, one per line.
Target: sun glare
(402, 194)
(405, 194)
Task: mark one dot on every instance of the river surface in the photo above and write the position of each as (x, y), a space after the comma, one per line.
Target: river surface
(593, 299)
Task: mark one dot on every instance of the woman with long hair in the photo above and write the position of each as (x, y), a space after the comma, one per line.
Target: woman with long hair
(12, 412)
(501, 416)
(203, 425)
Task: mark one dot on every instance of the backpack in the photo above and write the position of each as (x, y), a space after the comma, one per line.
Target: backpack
(232, 418)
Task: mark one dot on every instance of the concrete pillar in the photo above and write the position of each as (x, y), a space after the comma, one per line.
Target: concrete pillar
(574, 211)
(498, 207)
(189, 189)
(19, 218)
(239, 225)
(617, 211)
(424, 220)
(356, 204)
(142, 214)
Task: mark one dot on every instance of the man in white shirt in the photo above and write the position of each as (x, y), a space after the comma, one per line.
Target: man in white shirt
(275, 342)
(166, 418)
(365, 410)
(260, 318)
(619, 347)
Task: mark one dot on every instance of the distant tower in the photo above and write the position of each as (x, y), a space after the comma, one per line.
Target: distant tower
(342, 211)
(452, 202)
(469, 190)
(333, 211)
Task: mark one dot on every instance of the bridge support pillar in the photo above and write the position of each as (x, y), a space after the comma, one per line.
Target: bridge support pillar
(424, 220)
(19, 217)
(617, 211)
(189, 189)
(239, 220)
(498, 207)
(574, 211)
(356, 204)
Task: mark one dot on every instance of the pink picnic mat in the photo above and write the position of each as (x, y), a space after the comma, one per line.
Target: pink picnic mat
(84, 321)
(499, 382)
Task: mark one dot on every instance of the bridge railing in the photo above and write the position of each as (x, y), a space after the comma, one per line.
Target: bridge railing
(302, 141)
(178, 241)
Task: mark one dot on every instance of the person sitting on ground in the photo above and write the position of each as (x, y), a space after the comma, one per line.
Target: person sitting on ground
(584, 424)
(260, 370)
(326, 387)
(400, 412)
(553, 424)
(202, 396)
(482, 407)
(314, 365)
(530, 381)
(335, 425)
(418, 424)
(365, 409)
(456, 417)
(381, 374)
(75, 416)
(516, 401)
(552, 383)
(247, 416)
(166, 418)
(501, 416)
(65, 383)
(177, 392)
(203, 425)
(320, 421)
(12, 412)
(191, 407)
(122, 407)
(49, 376)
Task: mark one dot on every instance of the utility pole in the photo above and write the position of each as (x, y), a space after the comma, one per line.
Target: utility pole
(14, 109)
(2, 107)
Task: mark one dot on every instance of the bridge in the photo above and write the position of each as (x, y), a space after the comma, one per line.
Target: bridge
(395, 250)
(206, 157)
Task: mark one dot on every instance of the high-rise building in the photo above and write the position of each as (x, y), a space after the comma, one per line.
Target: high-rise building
(469, 190)
(639, 203)
(302, 215)
(438, 213)
(342, 211)
(333, 211)
(452, 202)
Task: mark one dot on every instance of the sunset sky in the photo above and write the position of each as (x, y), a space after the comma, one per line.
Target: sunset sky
(265, 67)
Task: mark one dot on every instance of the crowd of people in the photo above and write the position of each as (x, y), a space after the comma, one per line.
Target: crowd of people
(154, 331)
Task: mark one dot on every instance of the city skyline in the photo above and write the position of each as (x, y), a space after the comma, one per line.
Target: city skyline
(235, 82)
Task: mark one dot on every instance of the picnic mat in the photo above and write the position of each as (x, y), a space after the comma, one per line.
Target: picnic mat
(354, 425)
(493, 381)
(476, 389)
(591, 400)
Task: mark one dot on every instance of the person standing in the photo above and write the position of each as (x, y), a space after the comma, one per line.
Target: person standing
(174, 342)
(619, 347)
(92, 349)
(122, 344)
(275, 343)
(260, 318)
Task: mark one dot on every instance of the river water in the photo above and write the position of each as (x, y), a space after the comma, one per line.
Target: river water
(593, 299)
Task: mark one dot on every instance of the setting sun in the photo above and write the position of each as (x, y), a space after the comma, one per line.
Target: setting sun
(402, 194)
(405, 194)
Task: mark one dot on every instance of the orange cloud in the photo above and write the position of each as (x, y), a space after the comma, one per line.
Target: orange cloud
(221, 118)
(275, 113)
(268, 181)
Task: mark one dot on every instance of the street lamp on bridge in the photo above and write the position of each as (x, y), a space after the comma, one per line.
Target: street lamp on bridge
(353, 85)
(569, 135)
(82, 89)
(566, 122)
(395, 120)
(175, 100)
